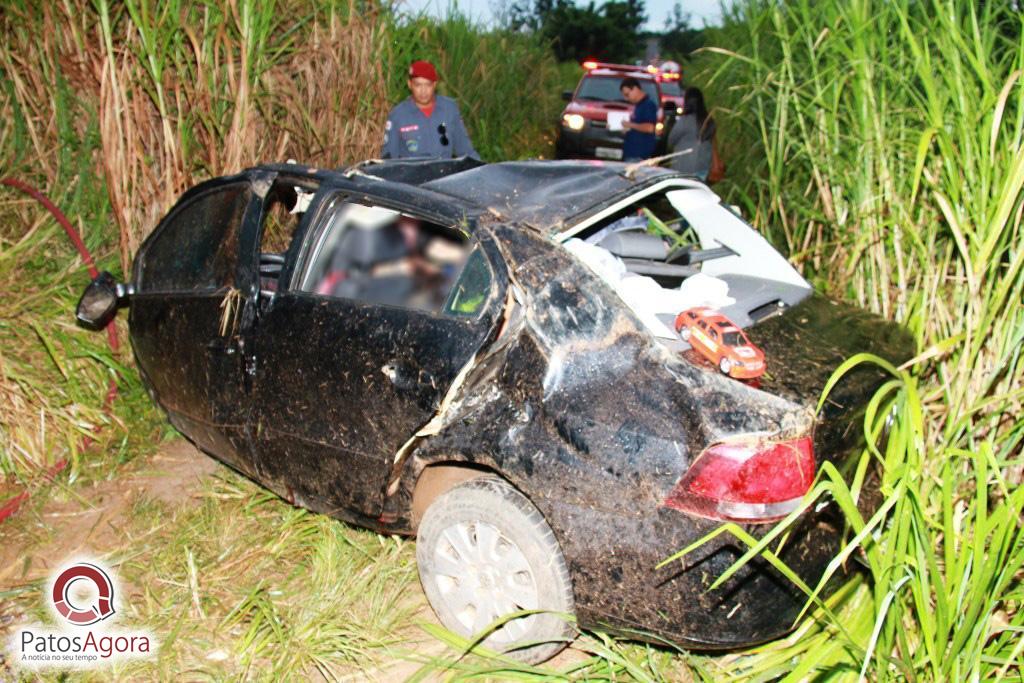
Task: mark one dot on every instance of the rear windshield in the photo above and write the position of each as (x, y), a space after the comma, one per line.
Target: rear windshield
(606, 89)
(671, 88)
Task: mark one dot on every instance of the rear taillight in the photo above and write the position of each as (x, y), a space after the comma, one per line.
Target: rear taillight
(758, 481)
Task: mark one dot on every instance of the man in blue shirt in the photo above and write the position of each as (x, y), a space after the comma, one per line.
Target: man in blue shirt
(425, 125)
(640, 140)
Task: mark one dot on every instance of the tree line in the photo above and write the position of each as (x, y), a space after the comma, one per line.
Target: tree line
(611, 31)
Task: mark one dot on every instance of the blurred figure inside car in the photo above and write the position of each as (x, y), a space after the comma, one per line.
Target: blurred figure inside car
(387, 258)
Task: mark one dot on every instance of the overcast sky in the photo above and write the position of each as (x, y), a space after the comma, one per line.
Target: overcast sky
(701, 11)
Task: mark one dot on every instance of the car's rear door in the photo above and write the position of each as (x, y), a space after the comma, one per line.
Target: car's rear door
(342, 383)
(183, 316)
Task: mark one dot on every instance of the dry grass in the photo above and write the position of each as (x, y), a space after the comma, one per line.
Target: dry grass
(232, 581)
(183, 92)
(51, 373)
(238, 584)
(114, 110)
(215, 87)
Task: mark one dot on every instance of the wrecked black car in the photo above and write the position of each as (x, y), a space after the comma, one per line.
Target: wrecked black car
(484, 356)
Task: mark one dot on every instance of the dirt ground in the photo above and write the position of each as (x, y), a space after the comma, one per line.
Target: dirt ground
(93, 520)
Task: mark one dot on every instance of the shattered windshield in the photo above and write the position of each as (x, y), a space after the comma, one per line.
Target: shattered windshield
(678, 249)
(606, 89)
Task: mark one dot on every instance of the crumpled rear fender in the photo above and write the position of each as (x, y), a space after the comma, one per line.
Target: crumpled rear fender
(574, 401)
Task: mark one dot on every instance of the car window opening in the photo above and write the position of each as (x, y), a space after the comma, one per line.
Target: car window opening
(679, 249)
(733, 339)
(279, 221)
(377, 255)
(606, 89)
(284, 207)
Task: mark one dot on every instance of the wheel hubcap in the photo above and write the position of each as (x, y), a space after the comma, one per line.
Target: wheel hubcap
(482, 575)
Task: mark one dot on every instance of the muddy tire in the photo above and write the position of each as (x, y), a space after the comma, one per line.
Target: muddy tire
(484, 551)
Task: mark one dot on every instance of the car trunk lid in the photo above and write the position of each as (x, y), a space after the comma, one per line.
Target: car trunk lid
(758, 478)
(803, 347)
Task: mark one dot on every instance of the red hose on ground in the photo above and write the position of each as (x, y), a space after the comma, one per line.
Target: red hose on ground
(12, 505)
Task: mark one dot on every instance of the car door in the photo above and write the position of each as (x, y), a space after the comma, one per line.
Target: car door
(184, 316)
(342, 383)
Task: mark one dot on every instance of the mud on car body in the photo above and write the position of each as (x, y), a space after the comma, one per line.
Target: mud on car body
(484, 356)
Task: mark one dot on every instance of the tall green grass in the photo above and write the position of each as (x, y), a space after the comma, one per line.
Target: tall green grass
(883, 144)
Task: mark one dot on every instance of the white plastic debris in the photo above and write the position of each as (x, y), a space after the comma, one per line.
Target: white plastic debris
(599, 260)
(302, 201)
(644, 295)
(706, 290)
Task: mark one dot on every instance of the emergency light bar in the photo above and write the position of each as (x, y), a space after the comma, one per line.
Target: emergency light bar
(592, 64)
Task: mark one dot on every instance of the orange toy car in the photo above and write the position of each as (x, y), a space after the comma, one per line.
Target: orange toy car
(723, 343)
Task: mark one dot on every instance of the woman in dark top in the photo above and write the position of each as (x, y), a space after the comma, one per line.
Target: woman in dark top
(691, 136)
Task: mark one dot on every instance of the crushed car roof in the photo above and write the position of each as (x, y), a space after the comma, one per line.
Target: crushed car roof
(543, 194)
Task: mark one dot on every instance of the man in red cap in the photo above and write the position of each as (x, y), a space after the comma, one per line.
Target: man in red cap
(425, 125)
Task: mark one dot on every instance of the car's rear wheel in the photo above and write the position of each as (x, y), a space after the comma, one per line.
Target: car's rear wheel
(725, 365)
(684, 334)
(484, 551)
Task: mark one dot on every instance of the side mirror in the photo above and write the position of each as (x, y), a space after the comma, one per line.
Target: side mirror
(100, 301)
(567, 95)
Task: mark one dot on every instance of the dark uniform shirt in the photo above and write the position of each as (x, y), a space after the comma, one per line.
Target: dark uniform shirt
(637, 145)
(410, 133)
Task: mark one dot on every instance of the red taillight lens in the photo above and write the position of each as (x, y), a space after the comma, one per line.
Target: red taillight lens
(750, 482)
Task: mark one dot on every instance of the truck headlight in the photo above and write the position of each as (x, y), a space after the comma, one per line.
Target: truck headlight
(573, 121)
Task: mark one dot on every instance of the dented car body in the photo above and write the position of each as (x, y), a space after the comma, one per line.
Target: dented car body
(531, 367)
